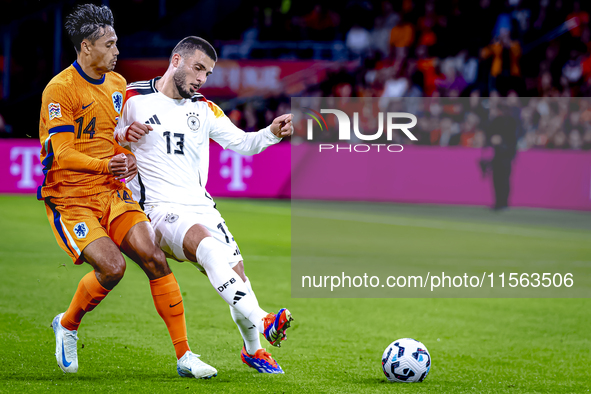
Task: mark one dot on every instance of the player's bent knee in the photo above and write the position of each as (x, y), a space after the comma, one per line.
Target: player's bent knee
(112, 273)
(160, 263)
(193, 239)
(106, 259)
(206, 249)
(239, 269)
(155, 264)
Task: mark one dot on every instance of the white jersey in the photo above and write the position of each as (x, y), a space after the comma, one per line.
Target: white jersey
(173, 158)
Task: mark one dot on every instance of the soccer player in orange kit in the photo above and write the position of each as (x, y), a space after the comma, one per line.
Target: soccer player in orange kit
(90, 210)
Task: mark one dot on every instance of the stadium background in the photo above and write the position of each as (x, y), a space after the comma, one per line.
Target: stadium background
(535, 53)
(358, 48)
(270, 52)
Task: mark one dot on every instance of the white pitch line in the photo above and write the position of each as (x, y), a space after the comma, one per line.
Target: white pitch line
(440, 225)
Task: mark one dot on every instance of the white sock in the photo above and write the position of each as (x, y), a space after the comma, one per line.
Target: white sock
(227, 282)
(249, 332)
(250, 291)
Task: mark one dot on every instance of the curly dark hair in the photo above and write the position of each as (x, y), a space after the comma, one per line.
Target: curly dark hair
(188, 45)
(88, 21)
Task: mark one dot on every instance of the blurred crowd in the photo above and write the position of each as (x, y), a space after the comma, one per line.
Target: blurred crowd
(456, 48)
(533, 47)
(529, 122)
(396, 49)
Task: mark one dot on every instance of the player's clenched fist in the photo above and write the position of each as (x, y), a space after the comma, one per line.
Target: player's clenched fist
(282, 126)
(131, 169)
(118, 165)
(136, 131)
(123, 166)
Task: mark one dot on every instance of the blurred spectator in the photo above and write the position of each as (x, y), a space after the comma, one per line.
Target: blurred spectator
(453, 83)
(343, 89)
(580, 17)
(321, 24)
(446, 131)
(521, 19)
(390, 17)
(587, 139)
(358, 42)
(505, 54)
(540, 21)
(552, 62)
(402, 36)
(504, 19)
(236, 117)
(277, 24)
(4, 128)
(250, 117)
(470, 135)
(427, 65)
(575, 139)
(558, 141)
(397, 84)
(467, 66)
(430, 25)
(572, 71)
(380, 37)
(546, 86)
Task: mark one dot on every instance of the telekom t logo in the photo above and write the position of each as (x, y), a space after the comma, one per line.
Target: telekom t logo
(28, 168)
(345, 124)
(235, 169)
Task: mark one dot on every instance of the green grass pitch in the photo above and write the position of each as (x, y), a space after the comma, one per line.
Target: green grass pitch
(335, 345)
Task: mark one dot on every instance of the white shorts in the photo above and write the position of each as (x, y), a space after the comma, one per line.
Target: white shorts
(171, 223)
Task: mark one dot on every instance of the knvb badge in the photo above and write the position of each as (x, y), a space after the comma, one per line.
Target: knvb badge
(117, 101)
(81, 230)
(344, 130)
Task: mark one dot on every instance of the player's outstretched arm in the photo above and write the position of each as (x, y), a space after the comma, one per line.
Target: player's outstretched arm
(231, 137)
(282, 126)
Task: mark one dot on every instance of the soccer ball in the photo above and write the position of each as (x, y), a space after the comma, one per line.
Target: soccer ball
(406, 360)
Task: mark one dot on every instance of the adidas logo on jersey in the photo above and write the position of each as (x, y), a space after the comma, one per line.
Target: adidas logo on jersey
(153, 120)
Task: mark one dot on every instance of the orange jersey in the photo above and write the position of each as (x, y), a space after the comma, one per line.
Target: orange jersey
(89, 108)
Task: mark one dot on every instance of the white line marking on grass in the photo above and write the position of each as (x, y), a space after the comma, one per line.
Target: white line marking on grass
(445, 225)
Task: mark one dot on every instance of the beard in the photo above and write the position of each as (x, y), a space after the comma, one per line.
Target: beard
(179, 79)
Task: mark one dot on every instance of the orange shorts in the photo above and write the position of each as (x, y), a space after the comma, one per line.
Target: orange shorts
(77, 221)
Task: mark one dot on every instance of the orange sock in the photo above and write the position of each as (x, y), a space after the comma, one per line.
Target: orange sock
(169, 304)
(88, 295)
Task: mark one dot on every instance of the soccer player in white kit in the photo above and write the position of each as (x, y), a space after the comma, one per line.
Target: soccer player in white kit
(167, 125)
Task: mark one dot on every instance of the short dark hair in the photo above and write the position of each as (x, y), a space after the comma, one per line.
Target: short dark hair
(188, 45)
(86, 22)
